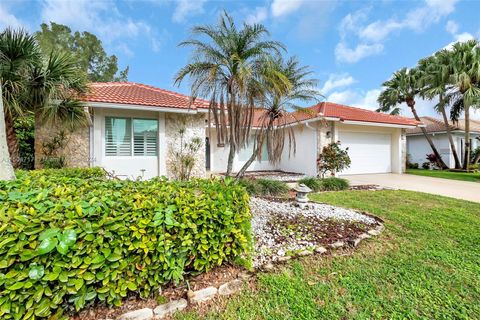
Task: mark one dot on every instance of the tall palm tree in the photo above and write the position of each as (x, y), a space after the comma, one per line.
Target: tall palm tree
(275, 104)
(404, 87)
(464, 76)
(434, 78)
(18, 53)
(223, 68)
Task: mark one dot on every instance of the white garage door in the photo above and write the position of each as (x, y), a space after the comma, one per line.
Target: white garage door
(369, 152)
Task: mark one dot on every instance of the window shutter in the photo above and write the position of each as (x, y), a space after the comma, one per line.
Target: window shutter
(145, 137)
(118, 136)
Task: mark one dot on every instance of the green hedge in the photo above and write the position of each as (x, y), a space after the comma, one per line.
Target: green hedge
(67, 241)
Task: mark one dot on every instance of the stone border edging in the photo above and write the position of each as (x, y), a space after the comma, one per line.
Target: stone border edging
(194, 297)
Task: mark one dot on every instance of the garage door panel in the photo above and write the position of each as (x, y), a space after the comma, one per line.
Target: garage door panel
(369, 152)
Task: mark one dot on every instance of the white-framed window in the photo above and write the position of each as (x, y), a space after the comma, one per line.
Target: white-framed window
(246, 153)
(131, 136)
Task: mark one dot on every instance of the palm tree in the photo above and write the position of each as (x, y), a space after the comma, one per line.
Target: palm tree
(284, 85)
(404, 87)
(434, 80)
(223, 68)
(18, 53)
(32, 82)
(464, 76)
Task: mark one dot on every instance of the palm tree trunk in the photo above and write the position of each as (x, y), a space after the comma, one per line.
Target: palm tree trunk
(231, 156)
(6, 168)
(441, 164)
(466, 158)
(12, 142)
(231, 153)
(449, 135)
(247, 164)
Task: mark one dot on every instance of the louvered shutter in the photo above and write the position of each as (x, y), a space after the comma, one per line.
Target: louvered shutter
(118, 136)
(145, 137)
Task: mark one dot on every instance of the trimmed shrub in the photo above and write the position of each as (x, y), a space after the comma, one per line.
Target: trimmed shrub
(80, 173)
(67, 241)
(250, 186)
(325, 184)
(413, 165)
(264, 187)
(334, 184)
(313, 183)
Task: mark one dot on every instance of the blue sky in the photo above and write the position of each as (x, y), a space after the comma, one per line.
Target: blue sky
(352, 46)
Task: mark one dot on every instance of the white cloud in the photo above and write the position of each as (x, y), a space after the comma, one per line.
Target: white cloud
(336, 81)
(345, 54)
(100, 17)
(7, 19)
(257, 16)
(370, 37)
(285, 7)
(187, 8)
(451, 27)
(356, 98)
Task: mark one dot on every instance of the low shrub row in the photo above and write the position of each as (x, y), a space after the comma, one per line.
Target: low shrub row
(325, 184)
(264, 187)
(71, 237)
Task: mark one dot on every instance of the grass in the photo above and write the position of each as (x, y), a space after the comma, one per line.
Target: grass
(463, 176)
(425, 265)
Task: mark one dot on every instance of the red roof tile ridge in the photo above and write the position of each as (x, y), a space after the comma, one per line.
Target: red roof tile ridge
(368, 111)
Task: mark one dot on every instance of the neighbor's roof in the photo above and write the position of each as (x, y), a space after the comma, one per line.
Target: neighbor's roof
(139, 94)
(437, 125)
(347, 113)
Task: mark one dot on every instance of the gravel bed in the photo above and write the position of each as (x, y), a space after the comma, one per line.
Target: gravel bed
(281, 228)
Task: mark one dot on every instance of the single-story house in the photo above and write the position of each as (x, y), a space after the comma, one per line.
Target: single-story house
(134, 133)
(418, 147)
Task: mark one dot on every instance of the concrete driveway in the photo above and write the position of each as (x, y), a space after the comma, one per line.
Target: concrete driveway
(450, 188)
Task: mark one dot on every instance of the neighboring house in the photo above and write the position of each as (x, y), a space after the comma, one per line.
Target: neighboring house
(134, 132)
(418, 147)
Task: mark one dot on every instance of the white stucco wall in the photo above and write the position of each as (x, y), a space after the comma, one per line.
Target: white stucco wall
(418, 147)
(309, 141)
(219, 158)
(304, 159)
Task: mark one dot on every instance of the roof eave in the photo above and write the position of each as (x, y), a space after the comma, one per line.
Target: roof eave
(125, 106)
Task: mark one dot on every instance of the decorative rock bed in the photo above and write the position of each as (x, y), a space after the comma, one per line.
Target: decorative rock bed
(282, 230)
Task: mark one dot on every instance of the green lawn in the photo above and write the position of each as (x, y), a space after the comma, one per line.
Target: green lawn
(464, 176)
(425, 265)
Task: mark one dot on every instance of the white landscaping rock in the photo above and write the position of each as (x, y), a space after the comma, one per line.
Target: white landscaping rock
(320, 250)
(169, 308)
(231, 287)
(337, 244)
(268, 250)
(202, 295)
(141, 314)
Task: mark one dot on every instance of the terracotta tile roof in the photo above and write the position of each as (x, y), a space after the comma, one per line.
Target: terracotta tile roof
(334, 110)
(139, 94)
(437, 125)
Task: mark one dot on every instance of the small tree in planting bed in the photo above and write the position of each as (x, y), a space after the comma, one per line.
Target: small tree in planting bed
(333, 159)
